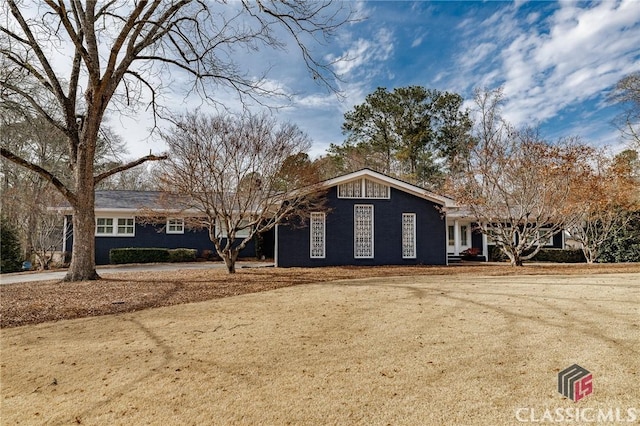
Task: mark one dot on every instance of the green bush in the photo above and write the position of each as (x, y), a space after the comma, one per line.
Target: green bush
(182, 255)
(496, 255)
(624, 245)
(544, 255)
(10, 256)
(138, 255)
(559, 256)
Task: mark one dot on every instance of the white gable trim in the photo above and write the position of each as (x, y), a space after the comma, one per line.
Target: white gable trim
(392, 182)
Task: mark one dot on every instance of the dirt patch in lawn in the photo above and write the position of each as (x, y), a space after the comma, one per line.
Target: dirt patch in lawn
(37, 302)
(463, 348)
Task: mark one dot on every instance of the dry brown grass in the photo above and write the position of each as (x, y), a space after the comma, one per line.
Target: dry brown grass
(462, 348)
(33, 303)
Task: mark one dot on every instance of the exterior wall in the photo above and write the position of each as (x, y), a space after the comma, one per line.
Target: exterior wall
(149, 236)
(293, 243)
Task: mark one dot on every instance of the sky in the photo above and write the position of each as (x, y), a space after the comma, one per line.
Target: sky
(556, 62)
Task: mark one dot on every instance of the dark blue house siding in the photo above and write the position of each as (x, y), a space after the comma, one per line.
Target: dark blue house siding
(148, 236)
(293, 244)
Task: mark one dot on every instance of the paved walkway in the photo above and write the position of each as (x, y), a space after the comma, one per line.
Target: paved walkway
(23, 277)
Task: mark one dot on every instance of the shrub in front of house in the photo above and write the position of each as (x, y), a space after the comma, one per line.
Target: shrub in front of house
(559, 256)
(183, 255)
(138, 255)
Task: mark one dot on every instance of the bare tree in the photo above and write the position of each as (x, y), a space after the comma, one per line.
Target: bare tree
(25, 195)
(516, 185)
(232, 174)
(602, 200)
(627, 93)
(119, 55)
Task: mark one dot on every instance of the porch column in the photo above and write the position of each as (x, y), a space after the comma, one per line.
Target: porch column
(64, 235)
(485, 247)
(456, 238)
(275, 247)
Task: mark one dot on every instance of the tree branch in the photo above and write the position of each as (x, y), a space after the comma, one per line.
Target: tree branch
(128, 166)
(68, 194)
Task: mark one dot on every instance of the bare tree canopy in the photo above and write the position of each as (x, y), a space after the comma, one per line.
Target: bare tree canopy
(72, 63)
(604, 200)
(234, 174)
(517, 186)
(627, 93)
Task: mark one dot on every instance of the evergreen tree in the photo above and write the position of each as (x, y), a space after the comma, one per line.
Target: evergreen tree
(10, 256)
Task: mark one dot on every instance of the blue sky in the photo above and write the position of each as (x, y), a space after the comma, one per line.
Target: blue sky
(556, 62)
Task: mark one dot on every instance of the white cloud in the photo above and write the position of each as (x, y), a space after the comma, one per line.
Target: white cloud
(576, 54)
(364, 53)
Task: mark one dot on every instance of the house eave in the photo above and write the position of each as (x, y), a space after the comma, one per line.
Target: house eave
(392, 182)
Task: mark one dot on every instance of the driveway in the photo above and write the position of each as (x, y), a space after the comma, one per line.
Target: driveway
(23, 277)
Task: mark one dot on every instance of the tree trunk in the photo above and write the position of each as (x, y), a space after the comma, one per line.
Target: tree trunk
(83, 262)
(589, 255)
(514, 257)
(230, 260)
(83, 255)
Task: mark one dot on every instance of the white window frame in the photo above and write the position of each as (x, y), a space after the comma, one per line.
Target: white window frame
(549, 241)
(451, 239)
(356, 238)
(241, 233)
(101, 228)
(126, 226)
(465, 236)
(364, 189)
(175, 225)
(115, 225)
(409, 236)
(317, 246)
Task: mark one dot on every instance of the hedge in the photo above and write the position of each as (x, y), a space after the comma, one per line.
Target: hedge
(182, 255)
(151, 255)
(544, 255)
(559, 256)
(138, 255)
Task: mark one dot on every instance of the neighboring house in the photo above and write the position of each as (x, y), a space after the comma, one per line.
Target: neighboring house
(369, 219)
(119, 225)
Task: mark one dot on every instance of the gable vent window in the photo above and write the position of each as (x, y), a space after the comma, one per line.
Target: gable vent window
(363, 231)
(350, 190)
(408, 235)
(317, 229)
(363, 188)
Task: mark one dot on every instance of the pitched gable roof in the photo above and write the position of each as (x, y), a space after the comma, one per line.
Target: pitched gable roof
(392, 182)
(126, 201)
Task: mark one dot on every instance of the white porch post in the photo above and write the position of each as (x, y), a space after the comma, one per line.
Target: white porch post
(275, 247)
(485, 247)
(64, 234)
(456, 238)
